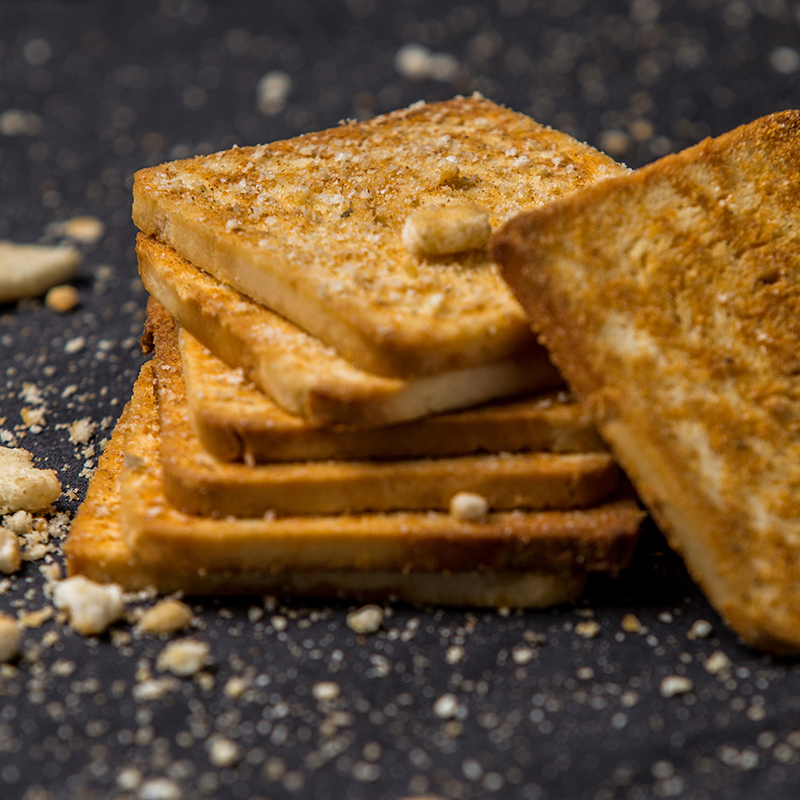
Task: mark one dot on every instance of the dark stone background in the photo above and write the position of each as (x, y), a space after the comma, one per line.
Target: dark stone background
(91, 91)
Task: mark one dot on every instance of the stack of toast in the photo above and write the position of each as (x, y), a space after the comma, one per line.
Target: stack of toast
(345, 398)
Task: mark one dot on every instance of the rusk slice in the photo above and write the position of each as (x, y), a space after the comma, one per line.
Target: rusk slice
(311, 228)
(234, 421)
(553, 542)
(670, 299)
(97, 549)
(197, 483)
(307, 377)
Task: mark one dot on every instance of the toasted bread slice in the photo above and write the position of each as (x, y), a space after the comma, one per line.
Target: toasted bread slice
(234, 421)
(670, 298)
(311, 228)
(197, 483)
(554, 542)
(97, 549)
(307, 377)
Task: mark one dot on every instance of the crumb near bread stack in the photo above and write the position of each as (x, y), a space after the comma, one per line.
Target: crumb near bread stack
(670, 300)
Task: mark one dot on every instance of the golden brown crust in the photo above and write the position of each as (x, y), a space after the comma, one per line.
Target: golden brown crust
(307, 377)
(670, 300)
(96, 548)
(596, 539)
(311, 227)
(198, 484)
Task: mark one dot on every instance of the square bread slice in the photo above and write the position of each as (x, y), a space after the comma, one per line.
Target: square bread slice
(197, 483)
(234, 421)
(670, 299)
(97, 549)
(305, 376)
(598, 539)
(312, 228)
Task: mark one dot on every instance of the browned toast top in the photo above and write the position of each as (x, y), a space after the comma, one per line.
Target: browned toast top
(670, 299)
(312, 226)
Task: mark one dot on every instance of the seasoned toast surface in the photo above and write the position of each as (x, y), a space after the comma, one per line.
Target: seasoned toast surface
(307, 377)
(197, 483)
(311, 227)
(234, 421)
(595, 539)
(97, 549)
(670, 299)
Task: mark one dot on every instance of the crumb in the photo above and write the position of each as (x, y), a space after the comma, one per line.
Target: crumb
(90, 607)
(444, 230)
(84, 230)
(166, 616)
(61, 298)
(23, 486)
(468, 506)
(224, 753)
(717, 662)
(29, 270)
(35, 619)
(588, 629)
(10, 638)
(446, 707)
(701, 629)
(675, 685)
(184, 657)
(631, 624)
(81, 430)
(326, 691)
(367, 619)
(10, 556)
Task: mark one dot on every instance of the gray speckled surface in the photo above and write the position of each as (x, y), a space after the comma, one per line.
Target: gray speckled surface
(538, 706)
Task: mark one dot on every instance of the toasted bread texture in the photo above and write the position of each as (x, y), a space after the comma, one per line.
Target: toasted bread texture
(307, 377)
(601, 538)
(234, 421)
(311, 228)
(97, 549)
(197, 483)
(670, 299)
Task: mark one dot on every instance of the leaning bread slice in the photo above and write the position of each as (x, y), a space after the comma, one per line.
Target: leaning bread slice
(312, 228)
(234, 421)
(307, 377)
(197, 483)
(97, 549)
(670, 298)
(552, 542)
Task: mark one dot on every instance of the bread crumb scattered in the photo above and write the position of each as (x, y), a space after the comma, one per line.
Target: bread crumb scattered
(37, 618)
(84, 230)
(701, 629)
(183, 658)
(446, 707)
(29, 270)
(166, 616)
(326, 691)
(587, 629)
(717, 662)
(10, 556)
(224, 753)
(631, 624)
(81, 430)
(23, 486)
(10, 638)
(90, 607)
(675, 685)
(367, 619)
(61, 298)
(444, 230)
(468, 506)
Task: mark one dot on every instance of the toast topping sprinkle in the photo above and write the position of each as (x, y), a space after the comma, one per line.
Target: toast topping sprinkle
(443, 230)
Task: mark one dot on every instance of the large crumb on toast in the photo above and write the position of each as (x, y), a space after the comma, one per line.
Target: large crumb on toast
(670, 299)
(311, 227)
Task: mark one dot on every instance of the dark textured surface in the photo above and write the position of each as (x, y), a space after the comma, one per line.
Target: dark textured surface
(91, 91)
